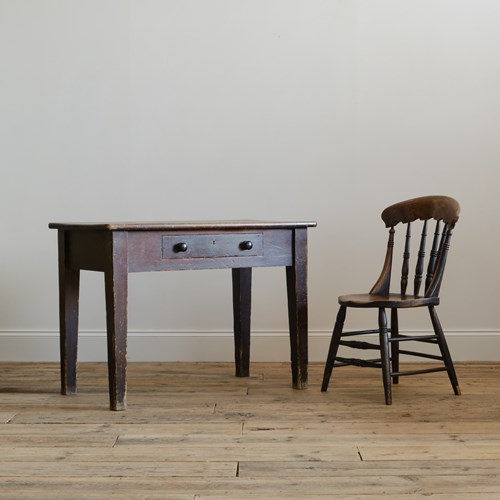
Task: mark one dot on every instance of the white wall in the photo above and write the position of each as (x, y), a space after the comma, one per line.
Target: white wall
(269, 109)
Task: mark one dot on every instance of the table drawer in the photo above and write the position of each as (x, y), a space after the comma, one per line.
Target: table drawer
(192, 246)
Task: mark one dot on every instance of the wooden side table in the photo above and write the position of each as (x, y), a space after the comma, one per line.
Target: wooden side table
(119, 248)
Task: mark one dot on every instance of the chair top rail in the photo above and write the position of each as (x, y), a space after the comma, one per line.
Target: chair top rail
(426, 207)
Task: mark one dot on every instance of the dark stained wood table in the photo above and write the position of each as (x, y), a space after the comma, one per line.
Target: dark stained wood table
(119, 248)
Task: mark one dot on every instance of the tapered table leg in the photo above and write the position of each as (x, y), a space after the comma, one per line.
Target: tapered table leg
(116, 285)
(296, 275)
(242, 289)
(69, 290)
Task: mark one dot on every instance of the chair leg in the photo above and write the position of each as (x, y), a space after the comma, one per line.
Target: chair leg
(394, 345)
(445, 353)
(334, 347)
(384, 354)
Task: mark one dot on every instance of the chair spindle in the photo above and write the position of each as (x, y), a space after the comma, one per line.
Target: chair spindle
(433, 256)
(419, 270)
(406, 260)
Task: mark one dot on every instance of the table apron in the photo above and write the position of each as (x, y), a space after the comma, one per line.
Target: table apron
(93, 250)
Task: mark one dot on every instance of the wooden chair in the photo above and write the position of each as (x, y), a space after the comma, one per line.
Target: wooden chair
(445, 211)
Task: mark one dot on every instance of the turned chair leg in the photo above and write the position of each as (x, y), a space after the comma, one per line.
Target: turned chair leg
(334, 347)
(394, 345)
(445, 353)
(384, 354)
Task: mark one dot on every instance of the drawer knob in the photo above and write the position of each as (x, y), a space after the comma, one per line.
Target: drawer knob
(246, 245)
(180, 247)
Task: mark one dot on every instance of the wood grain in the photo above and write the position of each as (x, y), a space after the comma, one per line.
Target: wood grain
(194, 431)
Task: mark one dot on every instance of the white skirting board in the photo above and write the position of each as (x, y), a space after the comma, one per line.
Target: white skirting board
(43, 346)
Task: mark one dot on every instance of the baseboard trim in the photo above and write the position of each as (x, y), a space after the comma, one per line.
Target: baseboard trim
(199, 346)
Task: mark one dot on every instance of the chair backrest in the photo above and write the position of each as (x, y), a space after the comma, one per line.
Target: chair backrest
(445, 211)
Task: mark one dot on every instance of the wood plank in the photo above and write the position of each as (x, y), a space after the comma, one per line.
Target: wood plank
(119, 469)
(299, 468)
(164, 428)
(386, 496)
(374, 486)
(179, 452)
(343, 428)
(324, 496)
(431, 452)
(56, 440)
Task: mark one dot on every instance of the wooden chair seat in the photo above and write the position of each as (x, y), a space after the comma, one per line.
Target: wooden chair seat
(393, 300)
(443, 210)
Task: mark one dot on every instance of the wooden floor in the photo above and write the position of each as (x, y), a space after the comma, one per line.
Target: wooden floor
(194, 431)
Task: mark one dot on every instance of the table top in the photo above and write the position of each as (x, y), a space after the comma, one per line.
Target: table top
(221, 225)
